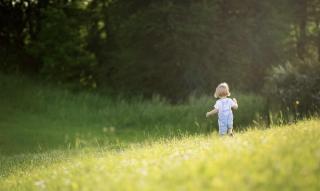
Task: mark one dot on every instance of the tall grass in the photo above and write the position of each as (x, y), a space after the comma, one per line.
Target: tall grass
(36, 117)
(285, 158)
(86, 141)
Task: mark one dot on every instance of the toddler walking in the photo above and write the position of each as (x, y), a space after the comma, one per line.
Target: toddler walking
(223, 107)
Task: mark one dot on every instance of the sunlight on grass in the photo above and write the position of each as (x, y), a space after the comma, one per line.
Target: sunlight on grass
(280, 158)
(40, 118)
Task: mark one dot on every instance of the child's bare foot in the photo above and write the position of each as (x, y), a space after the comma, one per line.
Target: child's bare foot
(230, 132)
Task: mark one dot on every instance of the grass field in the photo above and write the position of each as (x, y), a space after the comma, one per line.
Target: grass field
(52, 139)
(37, 118)
(280, 158)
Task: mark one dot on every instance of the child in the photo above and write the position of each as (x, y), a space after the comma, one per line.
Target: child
(224, 108)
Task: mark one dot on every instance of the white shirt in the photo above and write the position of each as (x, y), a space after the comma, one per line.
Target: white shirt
(224, 106)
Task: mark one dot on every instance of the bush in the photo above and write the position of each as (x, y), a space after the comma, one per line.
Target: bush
(295, 87)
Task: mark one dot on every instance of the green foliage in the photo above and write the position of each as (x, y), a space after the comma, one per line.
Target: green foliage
(196, 46)
(296, 87)
(169, 48)
(155, 43)
(61, 48)
(40, 118)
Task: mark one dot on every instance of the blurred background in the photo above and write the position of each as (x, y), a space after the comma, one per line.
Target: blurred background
(168, 48)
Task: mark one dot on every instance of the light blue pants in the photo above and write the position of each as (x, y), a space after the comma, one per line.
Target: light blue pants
(224, 126)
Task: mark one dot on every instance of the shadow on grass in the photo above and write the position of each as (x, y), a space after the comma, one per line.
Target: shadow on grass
(24, 147)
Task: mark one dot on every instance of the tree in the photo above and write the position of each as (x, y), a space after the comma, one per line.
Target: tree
(62, 49)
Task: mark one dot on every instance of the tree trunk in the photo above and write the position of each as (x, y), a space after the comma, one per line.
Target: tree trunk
(303, 15)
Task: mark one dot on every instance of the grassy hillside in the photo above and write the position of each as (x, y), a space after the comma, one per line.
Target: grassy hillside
(279, 158)
(52, 139)
(39, 118)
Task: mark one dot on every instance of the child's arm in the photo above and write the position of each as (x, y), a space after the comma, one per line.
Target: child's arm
(212, 112)
(235, 106)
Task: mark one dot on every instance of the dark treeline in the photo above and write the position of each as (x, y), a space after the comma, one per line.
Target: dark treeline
(167, 47)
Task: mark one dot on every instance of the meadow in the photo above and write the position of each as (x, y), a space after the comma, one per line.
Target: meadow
(37, 118)
(54, 139)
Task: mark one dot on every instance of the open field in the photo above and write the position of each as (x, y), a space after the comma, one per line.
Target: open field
(117, 95)
(51, 139)
(38, 118)
(280, 158)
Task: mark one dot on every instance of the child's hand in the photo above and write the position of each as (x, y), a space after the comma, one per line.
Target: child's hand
(235, 106)
(235, 100)
(207, 114)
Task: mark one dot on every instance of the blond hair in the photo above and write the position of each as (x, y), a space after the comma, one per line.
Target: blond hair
(222, 90)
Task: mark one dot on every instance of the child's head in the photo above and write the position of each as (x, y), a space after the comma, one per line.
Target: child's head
(222, 90)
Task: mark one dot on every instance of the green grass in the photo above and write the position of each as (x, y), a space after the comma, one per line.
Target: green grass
(279, 158)
(53, 139)
(38, 118)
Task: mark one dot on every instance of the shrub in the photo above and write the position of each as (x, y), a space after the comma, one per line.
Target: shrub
(295, 87)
